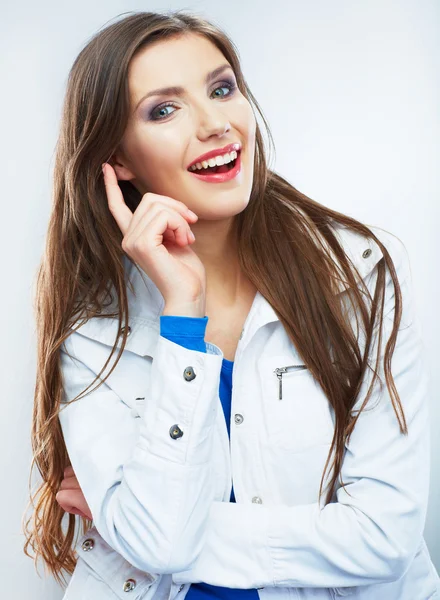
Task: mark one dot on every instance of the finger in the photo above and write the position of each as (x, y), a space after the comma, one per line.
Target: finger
(173, 222)
(72, 499)
(76, 511)
(120, 211)
(169, 236)
(69, 483)
(147, 237)
(150, 201)
(68, 471)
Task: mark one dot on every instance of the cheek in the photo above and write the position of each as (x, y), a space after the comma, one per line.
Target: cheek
(154, 159)
(245, 117)
(252, 125)
(163, 152)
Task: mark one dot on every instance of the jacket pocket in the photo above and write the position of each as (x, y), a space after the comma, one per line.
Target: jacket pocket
(138, 407)
(102, 573)
(296, 411)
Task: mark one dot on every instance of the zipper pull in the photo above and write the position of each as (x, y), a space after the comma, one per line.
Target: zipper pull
(279, 371)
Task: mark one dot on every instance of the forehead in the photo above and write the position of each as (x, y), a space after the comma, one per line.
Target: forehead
(180, 61)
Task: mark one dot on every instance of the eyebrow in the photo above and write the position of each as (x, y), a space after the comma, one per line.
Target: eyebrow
(178, 90)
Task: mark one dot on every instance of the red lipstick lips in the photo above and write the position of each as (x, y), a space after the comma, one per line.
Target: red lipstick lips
(226, 174)
(218, 151)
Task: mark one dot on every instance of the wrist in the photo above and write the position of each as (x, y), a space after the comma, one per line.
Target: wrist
(185, 309)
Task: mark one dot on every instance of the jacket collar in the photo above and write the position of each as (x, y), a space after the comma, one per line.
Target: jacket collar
(363, 252)
(146, 305)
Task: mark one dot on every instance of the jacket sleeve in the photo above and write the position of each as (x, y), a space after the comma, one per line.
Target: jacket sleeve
(364, 538)
(149, 493)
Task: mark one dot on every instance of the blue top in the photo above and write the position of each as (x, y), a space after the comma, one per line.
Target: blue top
(190, 333)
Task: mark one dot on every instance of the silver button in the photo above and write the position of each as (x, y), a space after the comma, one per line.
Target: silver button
(189, 374)
(366, 253)
(88, 544)
(181, 587)
(175, 432)
(129, 585)
(122, 330)
(257, 500)
(238, 419)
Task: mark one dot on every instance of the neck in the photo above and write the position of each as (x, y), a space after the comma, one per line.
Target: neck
(217, 249)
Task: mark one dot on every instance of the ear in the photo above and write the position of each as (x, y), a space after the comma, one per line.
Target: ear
(119, 164)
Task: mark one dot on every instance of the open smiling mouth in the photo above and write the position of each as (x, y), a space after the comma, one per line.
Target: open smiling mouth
(219, 173)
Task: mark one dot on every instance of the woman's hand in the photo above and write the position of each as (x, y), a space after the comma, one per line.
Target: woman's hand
(70, 496)
(157, 237)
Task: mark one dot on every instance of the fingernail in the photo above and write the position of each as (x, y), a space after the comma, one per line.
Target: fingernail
(191, 235)
(103, 165)
(192, 214)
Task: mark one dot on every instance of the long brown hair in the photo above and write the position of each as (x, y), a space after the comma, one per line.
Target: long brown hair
(279, 251)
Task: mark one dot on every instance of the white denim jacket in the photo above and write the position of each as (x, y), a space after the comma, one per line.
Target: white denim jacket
(160, 501)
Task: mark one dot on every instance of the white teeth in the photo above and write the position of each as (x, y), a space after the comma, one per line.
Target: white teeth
(216, 161)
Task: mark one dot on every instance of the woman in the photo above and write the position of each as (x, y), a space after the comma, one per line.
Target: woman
(181, 494)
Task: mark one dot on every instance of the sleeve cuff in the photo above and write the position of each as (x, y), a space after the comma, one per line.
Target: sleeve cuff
(185, 331)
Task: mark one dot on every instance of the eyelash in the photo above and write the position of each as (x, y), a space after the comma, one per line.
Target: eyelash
(229, 84)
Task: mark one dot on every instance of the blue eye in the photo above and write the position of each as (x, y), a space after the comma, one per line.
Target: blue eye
(230, 85)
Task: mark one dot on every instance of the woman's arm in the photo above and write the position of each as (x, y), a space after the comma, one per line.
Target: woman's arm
(186, 331)
(149, 497)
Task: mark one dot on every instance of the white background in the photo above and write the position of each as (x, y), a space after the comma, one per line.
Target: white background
(351, 91)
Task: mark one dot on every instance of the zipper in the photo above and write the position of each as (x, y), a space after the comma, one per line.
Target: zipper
(279, 372)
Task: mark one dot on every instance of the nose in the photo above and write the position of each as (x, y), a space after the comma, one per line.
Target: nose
(213, 122)
(217, 129)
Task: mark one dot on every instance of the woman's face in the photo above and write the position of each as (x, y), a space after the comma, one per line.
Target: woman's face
(163, 139)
